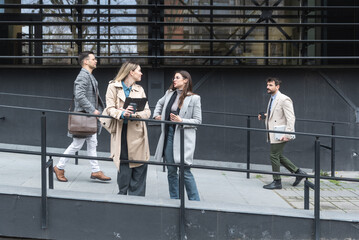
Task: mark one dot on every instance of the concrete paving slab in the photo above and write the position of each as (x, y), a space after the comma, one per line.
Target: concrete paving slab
(344, 205)
(328, 206)
(298, 204)
(219, 189)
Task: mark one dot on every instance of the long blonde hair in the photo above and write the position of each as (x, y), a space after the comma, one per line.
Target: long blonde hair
(125, 69)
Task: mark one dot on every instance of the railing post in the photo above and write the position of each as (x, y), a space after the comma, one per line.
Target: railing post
(307, 185)
(333, 151)
(50, 164)
(43, 173)
(181, 182)
(306, 195)
(76, 159)
(317, 189)
(248, 146)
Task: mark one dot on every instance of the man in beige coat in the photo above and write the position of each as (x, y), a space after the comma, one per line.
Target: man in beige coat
(280, 112)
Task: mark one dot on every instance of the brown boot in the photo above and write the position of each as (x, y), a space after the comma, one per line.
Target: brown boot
(60, 174)
(100, 176)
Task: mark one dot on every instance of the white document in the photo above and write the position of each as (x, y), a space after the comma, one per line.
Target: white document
(278, 136)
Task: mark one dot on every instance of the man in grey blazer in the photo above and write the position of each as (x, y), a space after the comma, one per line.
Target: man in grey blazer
(280, 112)
(87, 99)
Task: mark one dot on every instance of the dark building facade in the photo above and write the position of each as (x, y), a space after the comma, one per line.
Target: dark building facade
(229, 46)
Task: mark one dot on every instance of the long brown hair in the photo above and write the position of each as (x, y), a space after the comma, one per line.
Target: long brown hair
(187, 89)
(126, 68)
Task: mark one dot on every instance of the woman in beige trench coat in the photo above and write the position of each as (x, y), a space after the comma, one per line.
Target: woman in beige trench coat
(129, 140)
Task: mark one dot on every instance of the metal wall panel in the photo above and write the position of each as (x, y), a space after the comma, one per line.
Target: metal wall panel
(241, 90)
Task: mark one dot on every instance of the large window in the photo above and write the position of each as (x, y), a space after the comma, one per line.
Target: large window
(176, 32)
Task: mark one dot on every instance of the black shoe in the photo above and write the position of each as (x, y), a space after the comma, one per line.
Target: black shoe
(276, 184)
(298, 179)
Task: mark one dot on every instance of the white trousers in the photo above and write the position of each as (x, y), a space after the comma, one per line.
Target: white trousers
(76, 145)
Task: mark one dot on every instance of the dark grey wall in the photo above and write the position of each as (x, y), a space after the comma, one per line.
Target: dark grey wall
(89, 219)
(240, 90)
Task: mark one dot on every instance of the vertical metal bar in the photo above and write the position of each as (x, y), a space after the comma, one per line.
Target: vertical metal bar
(248, 146)
(43, 173)
(76, 159)
(98, 33)
(161, 31)
(266, 45)
(182, 206)
(149, 31)
(31, 44)
(324, 33)
(211, 35)
(51, 173)
(79, 27)
(300, 45)
(156, 33)
(306, 195)
(38, 46)
(333, 151)
(303, 47)
(317, 189)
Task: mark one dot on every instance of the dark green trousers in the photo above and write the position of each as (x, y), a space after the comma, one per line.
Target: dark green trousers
(277, 158)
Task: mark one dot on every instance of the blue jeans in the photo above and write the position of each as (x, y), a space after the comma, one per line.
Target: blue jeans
(173, 179)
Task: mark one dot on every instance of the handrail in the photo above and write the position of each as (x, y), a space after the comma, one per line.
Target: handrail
(189, 124)
(49, 164)
(207, 167)
(204, 111)
(332, 148)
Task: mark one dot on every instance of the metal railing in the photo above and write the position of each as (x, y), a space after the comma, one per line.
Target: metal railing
(48, 164)
(249, 117)
(157, 18)
(332, 146)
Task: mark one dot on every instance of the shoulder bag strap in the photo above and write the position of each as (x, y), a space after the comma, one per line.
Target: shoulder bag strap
(72, 101)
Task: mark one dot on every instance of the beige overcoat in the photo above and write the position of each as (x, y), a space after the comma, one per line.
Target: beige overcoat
(137, 138)
(282, 113)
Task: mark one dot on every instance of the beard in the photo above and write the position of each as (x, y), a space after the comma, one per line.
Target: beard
(270, 91)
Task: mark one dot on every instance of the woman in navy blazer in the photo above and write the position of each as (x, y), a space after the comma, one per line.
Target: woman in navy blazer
(179, 104)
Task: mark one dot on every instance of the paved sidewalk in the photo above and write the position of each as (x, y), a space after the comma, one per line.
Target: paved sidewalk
(214, 186)
(335, 196)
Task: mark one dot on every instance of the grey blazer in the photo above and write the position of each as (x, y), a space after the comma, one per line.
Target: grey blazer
(85, 89)
(190, 112)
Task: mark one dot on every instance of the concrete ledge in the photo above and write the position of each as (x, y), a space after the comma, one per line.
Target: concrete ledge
(129, 218)
(153, 202)
(79, 215)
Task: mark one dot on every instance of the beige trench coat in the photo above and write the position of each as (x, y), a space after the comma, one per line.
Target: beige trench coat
(137, 138)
